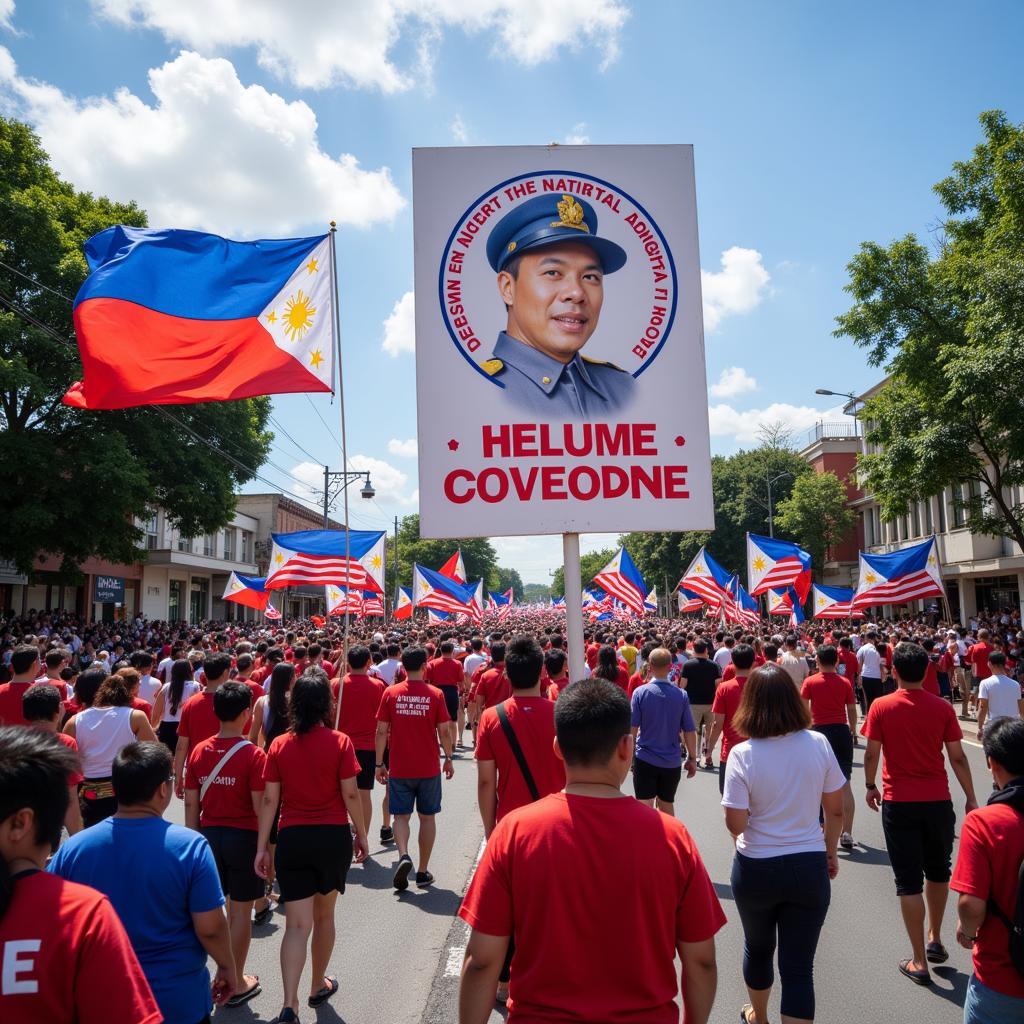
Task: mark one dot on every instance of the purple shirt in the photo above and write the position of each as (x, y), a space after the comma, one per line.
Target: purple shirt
(662, 712)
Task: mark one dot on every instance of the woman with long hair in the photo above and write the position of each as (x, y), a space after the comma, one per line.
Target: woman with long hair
(311, 775)
(775, 783)
(610, 669)
(169, 701)
(102, 732)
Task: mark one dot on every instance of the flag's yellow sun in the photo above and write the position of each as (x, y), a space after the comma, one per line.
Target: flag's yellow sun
(759, 563)
(298, 316)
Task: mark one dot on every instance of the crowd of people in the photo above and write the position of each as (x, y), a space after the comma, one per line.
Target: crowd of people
(277, 738)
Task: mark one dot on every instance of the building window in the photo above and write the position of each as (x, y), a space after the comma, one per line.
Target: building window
(185, 544)
(229, 543)
(209, 544)
(174, 600)
(915, 513)
(942, 511)
(246, 546)
(929, 525)
(959, 511)
(152, 532)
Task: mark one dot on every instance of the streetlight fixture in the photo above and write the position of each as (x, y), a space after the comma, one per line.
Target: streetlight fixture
(854, 399)
(771, 480)
(345, 477)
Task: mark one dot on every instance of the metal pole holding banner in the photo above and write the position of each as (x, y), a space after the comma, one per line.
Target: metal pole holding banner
(573, 604)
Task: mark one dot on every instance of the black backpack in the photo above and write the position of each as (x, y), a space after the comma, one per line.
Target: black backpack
(1016, 926)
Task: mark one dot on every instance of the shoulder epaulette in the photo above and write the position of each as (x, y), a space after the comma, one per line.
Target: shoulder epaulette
(492, 366)
(602, 362)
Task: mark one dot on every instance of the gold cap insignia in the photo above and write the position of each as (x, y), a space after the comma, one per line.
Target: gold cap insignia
(570, 215)
(511, 246)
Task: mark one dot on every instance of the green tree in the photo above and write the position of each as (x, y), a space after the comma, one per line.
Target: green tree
(536, 592)
(509, 578)
(478, 553)
(589, 564)
(816, 515)
(74, 480)
(948, 326)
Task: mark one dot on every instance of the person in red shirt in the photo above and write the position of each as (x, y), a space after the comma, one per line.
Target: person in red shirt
(725, 706)
(986, 877)
(43, 710)
(610, 668)
(411, 721)
(198, 719)
(833, 706)
(493, 686)
(910, 728)
(311, 776)
(447, 675)
(25, 666)
(245, 668)
(529, 889)
(556, 665)
(65, 953)
(223, 808)
(357, 718)
(977, 658)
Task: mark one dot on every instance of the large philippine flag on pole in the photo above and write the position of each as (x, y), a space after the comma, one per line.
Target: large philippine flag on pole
(319, 556)
(774, 564)
(175, 317)
(622, 579)
(900, 576)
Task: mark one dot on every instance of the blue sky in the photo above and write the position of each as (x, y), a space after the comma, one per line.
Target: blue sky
(815, 127)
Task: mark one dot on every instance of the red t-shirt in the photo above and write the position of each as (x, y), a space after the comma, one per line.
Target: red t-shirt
(255, 688)
(727, 702)
(848, 659)
(359, 704)
(592, 652)
(912, 727)
(977, 658)
(228, 800)
(62, 687)
(198, 720)
(533, 722)
(494, 686)
(829, 694)
(11, 712)
(729, 672)
(991, 850)
(930, 684)
(444, 672)
(536, 882)
(74, 778)
(66, 957)
(556, 686)
(635, 680)
(138, 704)
(414, 710)
(260, 675)
(311, 769)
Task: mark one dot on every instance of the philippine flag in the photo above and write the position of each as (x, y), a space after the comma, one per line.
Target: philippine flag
(249, 591)
(341, 601)
(780, 602)
(434, 616)
(774, 564)
(403, 604)
(834, 603)
(622, 579)
(688, 601)
(454, 568)
(898, 577)
(651, 601)
(707, 579)
(174, 317)
(319, 556)
(432, 590)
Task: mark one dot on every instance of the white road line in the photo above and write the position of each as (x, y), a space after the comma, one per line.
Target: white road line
(453, 965)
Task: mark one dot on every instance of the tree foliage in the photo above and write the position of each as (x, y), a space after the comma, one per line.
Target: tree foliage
(508, 578)
(590, 563)
(817, 515)
(478, 553)
(536, 592)
(74, 480)
(948, 326)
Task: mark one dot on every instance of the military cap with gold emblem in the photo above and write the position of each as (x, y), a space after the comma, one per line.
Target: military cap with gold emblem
(549, 220)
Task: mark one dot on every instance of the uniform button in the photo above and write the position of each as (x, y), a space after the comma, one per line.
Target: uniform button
(545, 380)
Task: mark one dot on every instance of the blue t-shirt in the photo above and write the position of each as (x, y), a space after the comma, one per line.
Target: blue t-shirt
(156, 875)
(662, 711)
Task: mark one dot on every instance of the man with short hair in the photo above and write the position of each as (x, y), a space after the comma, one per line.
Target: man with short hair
(43, 710)
(977, 659)
(723, 654)
(162, 880)
(224, 807)
(391, 667)
(793, 662)
(25, 669)
(699, 675)
(660, 719)
(908, 730)
(556, 667)
(529, 889)
(869, 661)
(986, 877)
(411, 721)
(447, 675)
(998, 695)
(725, 706)
(198, 719)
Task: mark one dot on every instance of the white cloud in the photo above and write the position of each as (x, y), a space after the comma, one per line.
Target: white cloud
(537, 557)
(400, 327)
(7, 15)
(745, 425)
(737, 288)
(308, 482)
(388, 481)
(407, 449)
(458, 130)
(732, 381)
(578, 136)
(316, 44)
(209, 153)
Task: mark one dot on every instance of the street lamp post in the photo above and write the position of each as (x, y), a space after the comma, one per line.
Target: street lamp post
(346, 476)
(771, 480)
(853, 403)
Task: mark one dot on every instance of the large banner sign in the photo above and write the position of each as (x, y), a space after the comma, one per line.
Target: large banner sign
(559, 341)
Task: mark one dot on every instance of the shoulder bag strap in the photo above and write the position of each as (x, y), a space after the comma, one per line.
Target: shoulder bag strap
(517, 751)
(228, 754)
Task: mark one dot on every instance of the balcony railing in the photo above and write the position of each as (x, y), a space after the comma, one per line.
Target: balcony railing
(822, 431)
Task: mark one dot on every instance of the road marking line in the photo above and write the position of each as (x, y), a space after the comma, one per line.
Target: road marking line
(453, 965)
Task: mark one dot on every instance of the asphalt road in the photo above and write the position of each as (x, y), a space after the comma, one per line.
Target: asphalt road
(398, 956)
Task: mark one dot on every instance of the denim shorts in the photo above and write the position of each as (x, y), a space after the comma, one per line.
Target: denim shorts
(985, 1005)
(424, 793)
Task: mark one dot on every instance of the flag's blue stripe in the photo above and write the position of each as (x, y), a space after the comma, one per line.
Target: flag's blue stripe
(328, 542)
(188, 273)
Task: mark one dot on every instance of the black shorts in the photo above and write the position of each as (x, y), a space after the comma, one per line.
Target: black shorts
(451, 701)
(312, 859)
(650, 781)
(841, 740)
(919, 840)
(234, 850)
(367, 768)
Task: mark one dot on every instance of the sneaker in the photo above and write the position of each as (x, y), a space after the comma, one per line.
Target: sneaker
(846, 841)
(401, 879)
(387, 835)
(287, 1016)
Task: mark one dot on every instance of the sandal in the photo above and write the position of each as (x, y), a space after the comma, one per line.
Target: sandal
(936, 953)
(243, 997)
(744, 1019)
(325, 993)
(264, 915)
(917, 977)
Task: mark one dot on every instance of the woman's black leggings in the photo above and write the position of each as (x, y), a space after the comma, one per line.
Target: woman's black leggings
(783, 901)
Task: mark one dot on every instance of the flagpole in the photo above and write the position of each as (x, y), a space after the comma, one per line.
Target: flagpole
(336, 330)
(573, 604)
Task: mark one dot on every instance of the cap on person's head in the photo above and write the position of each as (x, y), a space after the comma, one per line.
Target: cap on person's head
(549, 220)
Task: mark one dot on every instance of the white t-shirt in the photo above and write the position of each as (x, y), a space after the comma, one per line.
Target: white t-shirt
(149, 687)
(796, 666)
(164, 668)
(472, 663)
(1002, 694)
(723, 658)
(388, 669)
(870, 661)
(780, 782)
